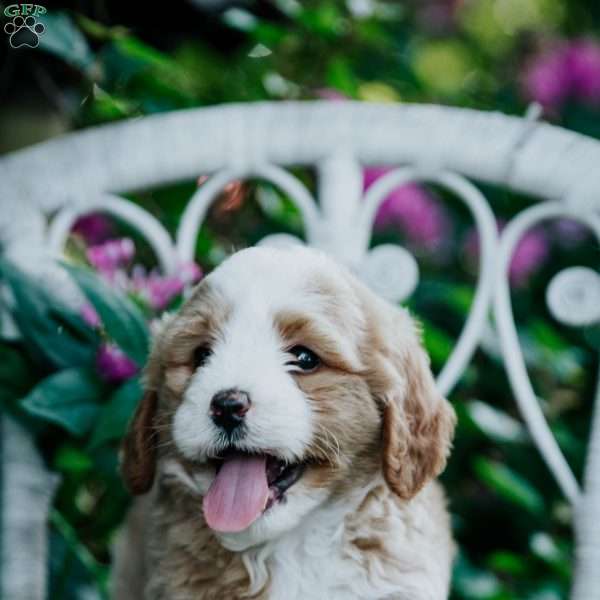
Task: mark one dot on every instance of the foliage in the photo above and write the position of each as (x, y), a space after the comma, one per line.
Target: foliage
(512, 525)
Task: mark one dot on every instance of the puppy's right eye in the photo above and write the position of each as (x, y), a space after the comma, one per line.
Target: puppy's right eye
(306, 359)
(201, 355)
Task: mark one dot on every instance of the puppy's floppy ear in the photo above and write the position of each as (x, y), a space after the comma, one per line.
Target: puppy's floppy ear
(418, 422)
(138, 451)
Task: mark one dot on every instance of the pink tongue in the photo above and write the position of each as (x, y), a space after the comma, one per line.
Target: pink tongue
(238, 495)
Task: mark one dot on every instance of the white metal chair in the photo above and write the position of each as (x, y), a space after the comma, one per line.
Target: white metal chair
(46, 187)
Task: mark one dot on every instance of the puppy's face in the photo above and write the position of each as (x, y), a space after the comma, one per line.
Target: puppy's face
(282, 384)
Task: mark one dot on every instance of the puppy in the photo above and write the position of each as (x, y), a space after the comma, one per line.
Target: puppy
(286, 443)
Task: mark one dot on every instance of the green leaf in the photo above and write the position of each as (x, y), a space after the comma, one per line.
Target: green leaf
(69, 459)
(80, 550)
(473, 583)
(438, 343)
(108, 107)
(53, 331)
(341, 76)
(145, 54)
(509, 563)
(509, 485)
(460, 297)
(69, 398)
(115, 415)
(123, 320)
(15, 372)
(100, 31)
(63, 38)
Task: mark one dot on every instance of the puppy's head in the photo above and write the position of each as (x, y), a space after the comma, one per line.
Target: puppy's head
(284, 383)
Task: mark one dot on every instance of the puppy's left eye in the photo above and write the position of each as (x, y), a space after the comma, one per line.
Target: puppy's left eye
(306, 359)
(201, 355)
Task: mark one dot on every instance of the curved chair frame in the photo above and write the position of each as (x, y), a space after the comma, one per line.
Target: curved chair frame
(46, 187)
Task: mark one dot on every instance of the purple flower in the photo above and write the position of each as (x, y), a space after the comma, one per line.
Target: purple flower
(570, 233)
(413, 211)
(529, 256)
(90, 316)
(583, 64)
(158, 290)
(562, 71)
(109, 256)
(546, 78)
(94, 228)
(189, 272)
(113, 365)
(161, 290)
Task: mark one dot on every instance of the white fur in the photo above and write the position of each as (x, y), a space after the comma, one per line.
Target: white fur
(303, 544)
(316, 560)
(249, 355)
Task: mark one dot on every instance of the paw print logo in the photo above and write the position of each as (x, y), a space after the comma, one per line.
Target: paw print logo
(24, 31)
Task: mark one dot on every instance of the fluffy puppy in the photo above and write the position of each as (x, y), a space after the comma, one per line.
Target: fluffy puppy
(286, 443)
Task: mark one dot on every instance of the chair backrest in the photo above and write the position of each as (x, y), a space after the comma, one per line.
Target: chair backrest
(46, 187)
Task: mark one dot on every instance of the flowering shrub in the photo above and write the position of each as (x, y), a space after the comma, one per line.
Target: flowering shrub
(83, 378)
(414, 212)
(564, 70)
(113, 260)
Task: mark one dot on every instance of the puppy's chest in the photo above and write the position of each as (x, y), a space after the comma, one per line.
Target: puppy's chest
(313, 574)
(316, 566)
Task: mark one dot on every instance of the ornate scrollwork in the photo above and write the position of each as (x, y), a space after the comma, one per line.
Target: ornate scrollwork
(573, 296)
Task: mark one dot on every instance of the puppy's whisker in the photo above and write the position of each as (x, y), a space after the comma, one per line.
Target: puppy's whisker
(324, 449)
(165, 444)
(336, 442)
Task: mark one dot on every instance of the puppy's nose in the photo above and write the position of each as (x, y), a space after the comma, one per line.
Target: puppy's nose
(228, 408)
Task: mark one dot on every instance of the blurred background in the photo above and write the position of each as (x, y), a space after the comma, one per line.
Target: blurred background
(102, 61)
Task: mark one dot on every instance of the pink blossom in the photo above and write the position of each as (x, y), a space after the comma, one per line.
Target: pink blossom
(161, 290)
(109, 256)
(189, 272)
(529, 256)
(90, 316)
(158, 290)
(546, 78)
(583, 64)
(114, 365)
(412, 210)
(562, 71)
(94, 228)
(112, 258)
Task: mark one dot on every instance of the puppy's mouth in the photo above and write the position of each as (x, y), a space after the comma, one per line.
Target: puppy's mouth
(246, 485)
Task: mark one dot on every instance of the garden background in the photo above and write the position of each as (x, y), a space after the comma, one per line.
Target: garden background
(72, 379)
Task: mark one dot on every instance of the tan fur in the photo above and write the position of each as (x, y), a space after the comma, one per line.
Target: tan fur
(376, 410)
(417, 433)
(195, 564)
(138, 465)
(418, 423)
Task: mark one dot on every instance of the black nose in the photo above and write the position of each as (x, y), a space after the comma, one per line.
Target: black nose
(228, 409)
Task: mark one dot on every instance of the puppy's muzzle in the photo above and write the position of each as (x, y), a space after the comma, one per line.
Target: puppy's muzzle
(228, 409)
